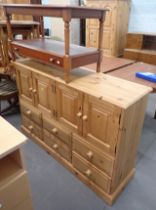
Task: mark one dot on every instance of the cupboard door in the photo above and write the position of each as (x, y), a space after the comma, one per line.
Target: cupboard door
(25, 86)
(101, 123)
(44, 94)
(69, 107)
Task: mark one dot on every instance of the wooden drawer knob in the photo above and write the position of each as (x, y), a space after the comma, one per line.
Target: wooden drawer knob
(54, 130)
(89, 154)
(79, 114)
(55, 146)
(30, 89)
(58, 62)
(28, 112)
(34, 91)
(30, 127)
(85, 117)
(51, 59)
(16, 49)
(88, 173)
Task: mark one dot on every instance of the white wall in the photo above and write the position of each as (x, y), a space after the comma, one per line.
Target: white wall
(56, 25)
(143, 16)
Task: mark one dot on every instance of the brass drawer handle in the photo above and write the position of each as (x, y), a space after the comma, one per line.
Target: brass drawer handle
(28, 112)
(79, 114)
(55, 146)
(85, 117)
(90, 155)
(30, 127)
(88, 173)
(54, 131)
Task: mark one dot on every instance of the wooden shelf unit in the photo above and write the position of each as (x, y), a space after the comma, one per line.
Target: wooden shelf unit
(115, 26)
(67, 61)
(13, 175)
(92, 125)
(141, 47)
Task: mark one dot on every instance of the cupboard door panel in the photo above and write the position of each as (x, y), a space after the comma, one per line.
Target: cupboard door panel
(69, 107)
(101, 123)
(44, 94)
(25, 85)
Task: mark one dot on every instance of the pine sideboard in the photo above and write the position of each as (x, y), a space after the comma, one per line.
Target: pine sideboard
(91, 125)
(115, 26)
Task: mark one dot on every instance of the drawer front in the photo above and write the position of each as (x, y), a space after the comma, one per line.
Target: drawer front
(32, 127)
(92, 173)
(59, 131)
(93, 155)
(56, 145)
(47, 57)
(31, 112)
(14, 191)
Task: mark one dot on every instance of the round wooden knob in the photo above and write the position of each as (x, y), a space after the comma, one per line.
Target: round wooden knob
(79, 114)
(55, 146)
(30, 89)
(34, 91)
(51, 59)
(85, 117)
(58, 62)
(30, 127)
(88, 172)
(16, 49)
(28, 112)
(89, 154)
(54, 130)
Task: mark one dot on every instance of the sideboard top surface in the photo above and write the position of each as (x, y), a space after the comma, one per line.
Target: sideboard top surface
(117, 91)
(10, 138)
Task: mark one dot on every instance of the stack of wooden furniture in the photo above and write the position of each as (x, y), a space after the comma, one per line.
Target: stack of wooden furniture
(141, 47)
(61, 55)
(115, 26)
(14, 186)
(91, 125)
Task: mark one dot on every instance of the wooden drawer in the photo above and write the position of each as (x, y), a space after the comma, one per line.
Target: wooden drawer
(31, 112)
(93, 174)
(56, 145)
(14, 191)
(32, 127)
(93, 155)
(29, 52)
(61, 132)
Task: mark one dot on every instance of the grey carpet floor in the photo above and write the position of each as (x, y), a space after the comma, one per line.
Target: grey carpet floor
(54, 188)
